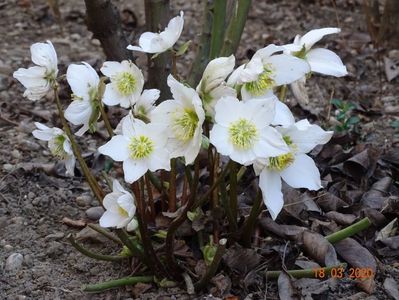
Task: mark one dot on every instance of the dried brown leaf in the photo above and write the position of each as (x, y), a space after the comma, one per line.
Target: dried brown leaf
(362, 164)
(391, 287)
(319, 248)
(241, 259)
(73, 223)
(286, 289)
(330, 202)
(291, 232)
(343, 219)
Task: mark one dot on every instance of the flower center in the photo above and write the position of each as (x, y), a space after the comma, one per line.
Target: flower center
(263, 83)
(56, 146)
(301, 53)
(125, 83)
(281, 162)
(184, 125)
(243, 134)
(122, 212)
(141, 147)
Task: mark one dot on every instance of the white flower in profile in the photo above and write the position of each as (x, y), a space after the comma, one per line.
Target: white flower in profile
(126, 84)
(40, 79)
(242, 132)
(295, 167)
(183, 118)
(58, 143)
(213, 86)
(84, 109)
(146, 104)
(119, 208)
(321, 60)
(141, 147)
(151, 42)
(267, 70)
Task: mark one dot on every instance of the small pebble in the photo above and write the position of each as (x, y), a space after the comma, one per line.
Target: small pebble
(94, 213)
(8, 167)
(16, 154)
(55, 236)
(14, 262)
(31, 195)
(84, 200)
(8, 247)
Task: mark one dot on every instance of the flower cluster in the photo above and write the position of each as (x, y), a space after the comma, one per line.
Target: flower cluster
(247, 121)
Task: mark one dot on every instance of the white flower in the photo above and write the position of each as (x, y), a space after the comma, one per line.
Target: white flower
(151, 42)
(296, 168)
(267, 70)
(213, 86)
(58, 143)
(83, 110)
(127, 82)
(321, 61)
(242, 130)
(141, 147)
(39, 79)
(146, 104)
(119, 208)
(183, 118)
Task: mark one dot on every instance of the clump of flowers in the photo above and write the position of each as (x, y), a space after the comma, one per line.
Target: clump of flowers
(230, 119)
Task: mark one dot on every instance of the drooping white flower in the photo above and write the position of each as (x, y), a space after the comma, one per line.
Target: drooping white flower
(146, 104)
(151, 42)
(183, 118)
(213, 86)
(119, 208)
(39, 80)
(321, 61)
(267, 70)
(58, 143)
(83, 110)
(295, 167)
(141, 147)
(242, 130)
(126, 85)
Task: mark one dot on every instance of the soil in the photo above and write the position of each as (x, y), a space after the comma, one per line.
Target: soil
(33, 202)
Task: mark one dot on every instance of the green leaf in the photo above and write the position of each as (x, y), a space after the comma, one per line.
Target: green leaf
(395, 124)
(337, 102)
(183, 48)
(353, 120)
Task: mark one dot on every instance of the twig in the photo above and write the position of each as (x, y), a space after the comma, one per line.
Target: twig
(348, 231)
(88, 253)
(99, 287)
(213, 266)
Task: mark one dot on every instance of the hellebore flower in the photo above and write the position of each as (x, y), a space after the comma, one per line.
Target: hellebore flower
(151, 42)
(141, 147)
(242, 130)
(40, 79)
(126, 85)
(213, 86)
(183, 118)
(58, 143)
(267, 70)
(119, 208)
(146, 104)
(295, 167)
(83, 110)
(321, 61)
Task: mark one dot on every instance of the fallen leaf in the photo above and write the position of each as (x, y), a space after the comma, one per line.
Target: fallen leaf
(362, 164)
(376, 196)
(73, 223)
(391, 69)
(319, 248)
(309, 287)
(241, 259)
(291, 232)
(330, 202)
(343, 219)
(286, 289)
(388, 231)
(222, 285)
(391, 287)
(140, 288)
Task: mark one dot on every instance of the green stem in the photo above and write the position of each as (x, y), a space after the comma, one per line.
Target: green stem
(105, 233)
(283, 92)
(100, 94)
(249, 225)
(235, 27)
(172, 186)
(202, 55)
(136, 251)
(348, 231)
(96, 189)
(218, 27)
(213, 266)
(99, 287)
(305, 273)
(88, 253)
(233, 193)
(225, 202)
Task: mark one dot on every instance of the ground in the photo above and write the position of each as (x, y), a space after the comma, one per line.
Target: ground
(33, 202)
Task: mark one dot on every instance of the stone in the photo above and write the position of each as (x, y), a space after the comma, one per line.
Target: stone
(83, 200)
(8, 247)
(54, 249)
(95, 213)
(14, 262)
(54, 236)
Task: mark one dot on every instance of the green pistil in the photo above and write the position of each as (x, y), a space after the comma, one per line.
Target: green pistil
(281, 162)
(141, 147)
(56, 146)
(125, 83)
(258, 87)
(287, 140)
(301, 53)
(243, 134)
(185, 124)
(122, 212)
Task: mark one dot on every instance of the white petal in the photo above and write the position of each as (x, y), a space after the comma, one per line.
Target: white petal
(151, 43)
(111, 68)
(134, 169)
(287, 69)
(82, 130)
(270, 184)
(126, 201)
(302, 173)
(226, 110)
(43, 54)
(246, 95)
(283, 115)
(79, 112)
(315, 35)
(267, 51)
(160, 160)
(32, 77)
(117, 148)
(173, 31)
(70, 165)
(44, 135)
(219, 137)
(244, 157)
(133, 225)
(270, 143)
(148, 97)
(109, 219)
(110, 202)
(111, 96)
(82, 78)
(67, 146)
(261, 111)
(234, 78)
(117, 187)
(306, 136)
(216, 72)
(326, 62)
